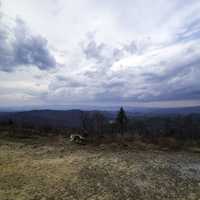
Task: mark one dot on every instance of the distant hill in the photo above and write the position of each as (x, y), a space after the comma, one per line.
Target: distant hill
(51, 118)
(164, 111)
(72, 118)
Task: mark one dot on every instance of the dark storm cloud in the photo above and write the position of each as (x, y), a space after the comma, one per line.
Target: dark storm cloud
(19, 47)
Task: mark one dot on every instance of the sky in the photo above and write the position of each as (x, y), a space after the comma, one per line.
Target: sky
(105, 53)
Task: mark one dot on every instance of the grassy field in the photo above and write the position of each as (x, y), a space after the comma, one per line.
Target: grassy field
(54, 169)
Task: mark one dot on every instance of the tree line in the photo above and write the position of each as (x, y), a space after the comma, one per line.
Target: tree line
(178, 126)
(97, 124)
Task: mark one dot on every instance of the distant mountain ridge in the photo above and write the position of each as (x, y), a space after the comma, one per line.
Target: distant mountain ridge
(165, 111)
(72, 118)
(191, 109)
(52, 118)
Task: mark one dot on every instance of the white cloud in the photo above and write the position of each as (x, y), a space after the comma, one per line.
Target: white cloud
(111, 51)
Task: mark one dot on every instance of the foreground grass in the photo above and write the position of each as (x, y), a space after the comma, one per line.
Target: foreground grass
(39, 169)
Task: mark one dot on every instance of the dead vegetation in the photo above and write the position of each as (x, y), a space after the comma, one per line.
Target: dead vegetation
(54, 169)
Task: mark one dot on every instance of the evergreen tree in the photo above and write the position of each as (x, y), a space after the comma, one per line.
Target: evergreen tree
(122, 120)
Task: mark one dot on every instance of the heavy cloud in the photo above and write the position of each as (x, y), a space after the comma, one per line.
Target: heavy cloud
(19, 47)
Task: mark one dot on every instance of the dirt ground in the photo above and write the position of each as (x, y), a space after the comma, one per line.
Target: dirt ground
(41, 169)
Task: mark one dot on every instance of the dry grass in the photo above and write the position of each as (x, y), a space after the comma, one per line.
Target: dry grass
(41, 169)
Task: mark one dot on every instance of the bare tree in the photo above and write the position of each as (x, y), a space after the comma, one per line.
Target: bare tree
(99, 123)
(85, 121)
